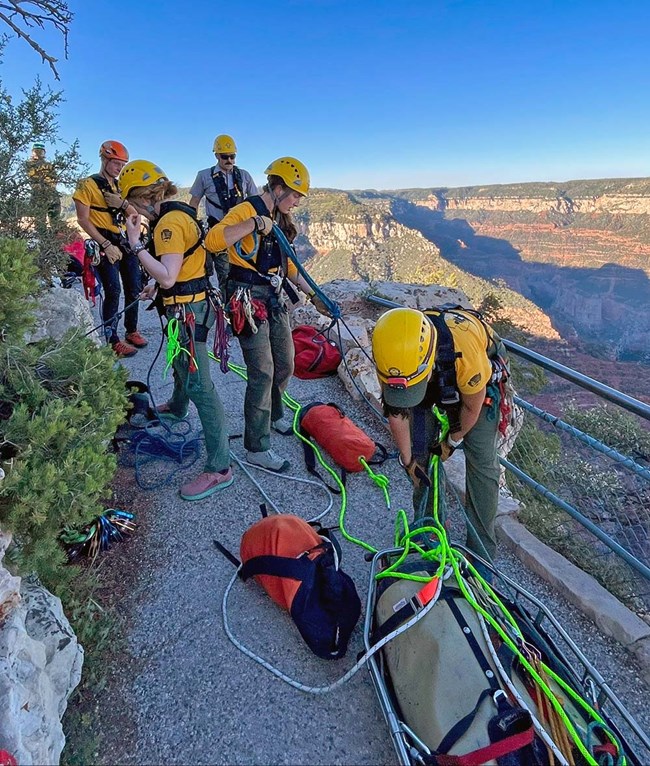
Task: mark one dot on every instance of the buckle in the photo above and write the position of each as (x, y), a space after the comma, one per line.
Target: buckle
(399, 383)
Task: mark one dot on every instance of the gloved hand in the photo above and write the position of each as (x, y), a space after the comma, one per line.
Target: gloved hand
(444, 450)
(263, 224)
(114, 200)
(416, 473)
(113, 253)
(320, 306)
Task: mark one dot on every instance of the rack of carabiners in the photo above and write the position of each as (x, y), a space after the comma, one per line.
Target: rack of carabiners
(102, 533)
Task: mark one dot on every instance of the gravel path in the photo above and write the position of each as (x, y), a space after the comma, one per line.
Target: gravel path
(182, 693)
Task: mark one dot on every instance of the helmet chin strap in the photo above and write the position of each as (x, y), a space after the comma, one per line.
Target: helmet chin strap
(277, 200)
(104, 172)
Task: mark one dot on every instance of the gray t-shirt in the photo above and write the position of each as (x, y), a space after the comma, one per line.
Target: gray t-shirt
(203, 186)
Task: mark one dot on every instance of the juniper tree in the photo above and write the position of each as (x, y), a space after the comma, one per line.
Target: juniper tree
(33, 118)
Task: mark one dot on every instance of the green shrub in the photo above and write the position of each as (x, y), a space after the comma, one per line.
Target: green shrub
(610, 425)
(65, 407)
(17, 285)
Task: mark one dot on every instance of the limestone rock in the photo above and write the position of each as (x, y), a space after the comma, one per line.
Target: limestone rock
(420, 296)
(351, 296)
(307, 314)
(58, 310)
(40, 665)
(358, 369)
(352, 334)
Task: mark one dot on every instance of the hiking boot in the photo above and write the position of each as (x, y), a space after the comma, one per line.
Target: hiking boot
(268, 460)
(135, 339)
(163, 412)
(122, 348)
(283, 426)
(206, 484)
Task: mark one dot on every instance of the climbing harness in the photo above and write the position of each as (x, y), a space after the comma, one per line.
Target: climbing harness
(118, 218)
(227, 198)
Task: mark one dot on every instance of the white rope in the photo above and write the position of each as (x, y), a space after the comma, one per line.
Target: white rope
(319, 485)
(354, 669)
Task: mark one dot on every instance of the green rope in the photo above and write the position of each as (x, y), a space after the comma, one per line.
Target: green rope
(379, 479)
(174, 347)
(295, 406)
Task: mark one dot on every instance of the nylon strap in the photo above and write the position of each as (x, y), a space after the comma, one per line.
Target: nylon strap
(485, 754)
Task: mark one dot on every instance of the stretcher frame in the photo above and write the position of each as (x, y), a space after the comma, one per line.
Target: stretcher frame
(587, 680)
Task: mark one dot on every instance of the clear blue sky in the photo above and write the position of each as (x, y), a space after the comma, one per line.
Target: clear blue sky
(368, 94)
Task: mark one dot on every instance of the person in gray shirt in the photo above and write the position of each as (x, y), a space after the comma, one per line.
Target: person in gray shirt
(224, 185)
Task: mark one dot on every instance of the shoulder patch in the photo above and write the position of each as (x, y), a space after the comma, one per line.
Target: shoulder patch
(166, 235)
(475, 380)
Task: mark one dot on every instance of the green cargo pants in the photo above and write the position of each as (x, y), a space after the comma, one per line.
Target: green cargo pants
(268, 355)
(481, 475)
(198, 388)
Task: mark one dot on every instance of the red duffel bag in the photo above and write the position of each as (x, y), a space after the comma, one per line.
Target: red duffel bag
(316, 355)
(332, 430)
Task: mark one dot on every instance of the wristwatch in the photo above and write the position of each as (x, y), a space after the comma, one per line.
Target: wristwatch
(138, 248)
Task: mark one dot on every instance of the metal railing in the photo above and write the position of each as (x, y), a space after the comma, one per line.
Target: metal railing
(582, 475)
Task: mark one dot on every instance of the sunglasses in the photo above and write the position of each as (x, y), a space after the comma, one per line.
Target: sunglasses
(227, 156)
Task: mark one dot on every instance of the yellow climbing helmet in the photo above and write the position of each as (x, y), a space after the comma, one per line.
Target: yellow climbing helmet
(292, 172)
(224, 144)
(139, 173)
(404, 346)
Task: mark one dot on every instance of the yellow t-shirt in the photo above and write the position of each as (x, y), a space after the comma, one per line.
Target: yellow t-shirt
(215, 241)
(176, 232)
(88, 193)
(41, 173)
(472, 342)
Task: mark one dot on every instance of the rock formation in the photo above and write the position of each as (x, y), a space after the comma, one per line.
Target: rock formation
(40, 665)
(40, 658)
